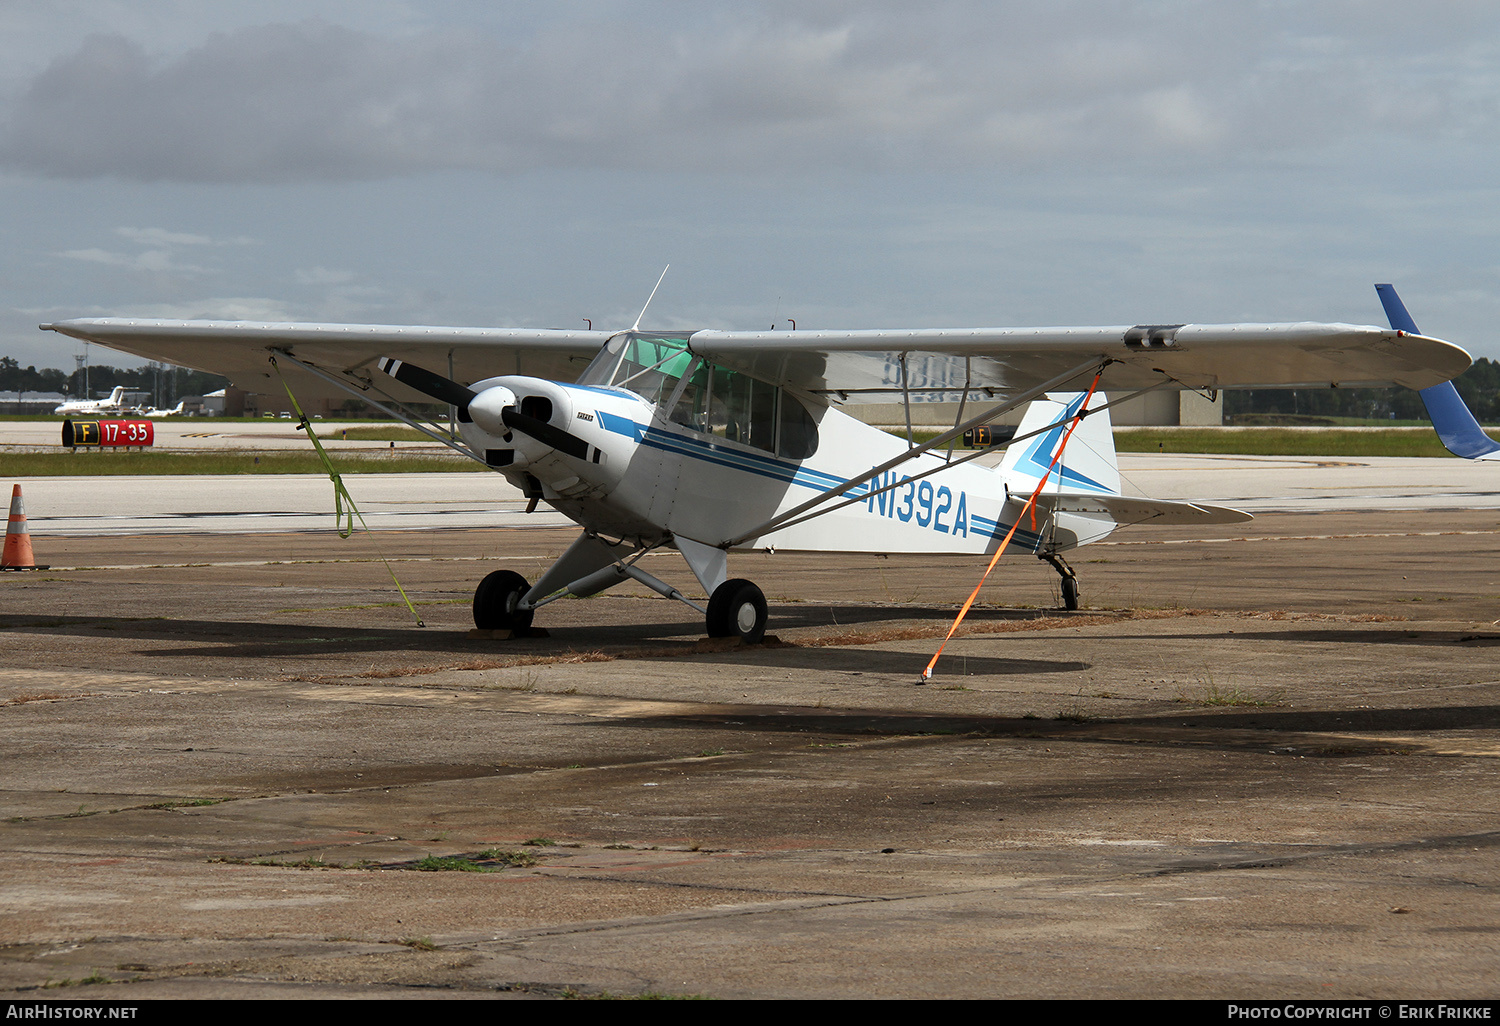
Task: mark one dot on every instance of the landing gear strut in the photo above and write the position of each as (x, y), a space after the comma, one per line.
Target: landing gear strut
(737, 609)
(1069, 579)
(496, 600)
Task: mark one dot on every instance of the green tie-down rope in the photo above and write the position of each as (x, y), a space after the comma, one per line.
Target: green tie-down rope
(344, 510)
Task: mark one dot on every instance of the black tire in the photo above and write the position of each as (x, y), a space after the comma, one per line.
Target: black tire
(737, 609)
(495, 602)
(1070, 592)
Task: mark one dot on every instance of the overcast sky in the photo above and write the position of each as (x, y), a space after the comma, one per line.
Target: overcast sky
(846, 164)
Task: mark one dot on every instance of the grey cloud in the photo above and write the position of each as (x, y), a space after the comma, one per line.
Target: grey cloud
(162, 237)
(764, 87)
(155, 261)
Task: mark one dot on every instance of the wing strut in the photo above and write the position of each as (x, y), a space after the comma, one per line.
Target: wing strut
(854, 482)
(340, 493)
(906, 399)
(1031, 508)
(963, 397)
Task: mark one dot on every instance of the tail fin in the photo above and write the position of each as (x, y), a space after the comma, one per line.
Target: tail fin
(1082, 501)
(1087, 465)
(1451, 417)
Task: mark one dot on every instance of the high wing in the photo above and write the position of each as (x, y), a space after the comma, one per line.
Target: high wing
(240, 350)
(868, 365)
(933, 363)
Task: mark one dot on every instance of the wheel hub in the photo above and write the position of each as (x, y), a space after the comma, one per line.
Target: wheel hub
(744, 617)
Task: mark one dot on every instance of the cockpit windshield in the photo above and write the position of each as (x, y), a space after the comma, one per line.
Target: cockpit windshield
(648, 365)
(705, 398)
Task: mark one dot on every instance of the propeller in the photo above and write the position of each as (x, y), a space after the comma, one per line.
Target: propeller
(448, 391)
(442, 389)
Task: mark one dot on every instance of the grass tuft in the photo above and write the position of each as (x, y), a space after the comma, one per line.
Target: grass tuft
(1213, 695)
(1074, 713)
(516, 859)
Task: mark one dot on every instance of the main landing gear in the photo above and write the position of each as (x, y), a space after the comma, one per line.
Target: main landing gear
(737, 608)
(496, 602)
(1069, 579)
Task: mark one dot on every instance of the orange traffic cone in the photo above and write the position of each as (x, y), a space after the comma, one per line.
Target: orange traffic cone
(17, 554)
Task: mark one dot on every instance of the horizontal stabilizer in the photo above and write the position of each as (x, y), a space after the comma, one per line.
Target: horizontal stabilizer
(1127, 509)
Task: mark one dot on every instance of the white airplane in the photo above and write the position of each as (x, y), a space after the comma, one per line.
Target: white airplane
(157, 414)
(114, 404)
(1451, 417)
(711, 441)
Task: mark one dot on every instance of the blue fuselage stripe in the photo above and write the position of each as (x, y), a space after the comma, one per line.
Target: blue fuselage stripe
(762, 466)
(723, 456)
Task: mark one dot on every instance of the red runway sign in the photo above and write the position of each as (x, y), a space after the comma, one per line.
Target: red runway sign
(106, 433)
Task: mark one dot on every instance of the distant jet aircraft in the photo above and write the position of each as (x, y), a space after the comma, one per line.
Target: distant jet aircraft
(1451, 417)
(708, 441)
(114, 404)
(156, 414)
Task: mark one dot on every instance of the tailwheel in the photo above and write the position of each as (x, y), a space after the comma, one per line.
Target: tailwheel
(737, 609)
(496, 602)
(1070, 592)
(1069, 579)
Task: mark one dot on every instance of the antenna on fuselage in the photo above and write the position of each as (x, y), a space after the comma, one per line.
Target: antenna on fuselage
(637, 325)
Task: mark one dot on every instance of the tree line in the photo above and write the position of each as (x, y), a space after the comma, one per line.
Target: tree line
(1479, 386)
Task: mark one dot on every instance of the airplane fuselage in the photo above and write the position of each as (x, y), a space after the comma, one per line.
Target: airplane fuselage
(114, 404)
(635, 473)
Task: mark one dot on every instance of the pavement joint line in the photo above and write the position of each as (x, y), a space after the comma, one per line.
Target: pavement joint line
(814, 898)
(701, 915)
(1489, 838)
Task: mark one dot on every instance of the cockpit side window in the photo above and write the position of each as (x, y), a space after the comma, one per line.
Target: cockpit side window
(742, 409)
(690, 401)
(798, 438)
(754, 412)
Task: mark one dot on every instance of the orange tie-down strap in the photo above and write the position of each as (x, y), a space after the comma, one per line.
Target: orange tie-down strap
(1030, 508)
